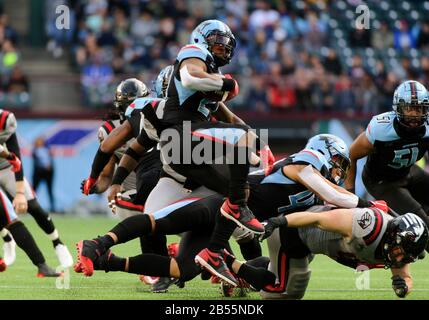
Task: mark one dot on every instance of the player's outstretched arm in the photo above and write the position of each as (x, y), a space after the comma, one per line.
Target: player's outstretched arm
(338, 220)
(323, 188)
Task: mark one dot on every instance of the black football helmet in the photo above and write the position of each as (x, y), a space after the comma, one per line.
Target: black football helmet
(409, 234)
(126, 92)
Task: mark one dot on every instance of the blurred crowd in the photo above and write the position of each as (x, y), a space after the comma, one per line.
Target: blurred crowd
(14, 85)
(291, 55)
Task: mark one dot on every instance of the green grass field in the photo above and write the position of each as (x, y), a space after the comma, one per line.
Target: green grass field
(329, 280)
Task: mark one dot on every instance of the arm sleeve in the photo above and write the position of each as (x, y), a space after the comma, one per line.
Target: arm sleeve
(199, 84)
(101, 159)
(325, 191)
(13, 146)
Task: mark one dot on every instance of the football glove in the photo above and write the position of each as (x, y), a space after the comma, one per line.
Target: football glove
(267, 159)
(380, 204)
(88, 186)
(399, 286)
(272, 224)
(14, 161)
(234, 92)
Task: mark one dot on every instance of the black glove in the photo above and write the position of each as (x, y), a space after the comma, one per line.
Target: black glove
(271, 224)
(92, 189)
(399, 286)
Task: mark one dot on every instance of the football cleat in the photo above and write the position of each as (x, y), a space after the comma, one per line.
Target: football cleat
(46, 271)
(214, 263)
(242, 216)
(162, 285)
(3, 265)
(88, 252)
(173, 249)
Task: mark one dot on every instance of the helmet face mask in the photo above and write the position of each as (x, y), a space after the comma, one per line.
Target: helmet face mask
(217, 38)
(126, 92)
(406, 239)
(341, 166)
(336, 154)
(412, 115)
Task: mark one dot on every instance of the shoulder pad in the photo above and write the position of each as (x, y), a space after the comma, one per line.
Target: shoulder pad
(8, 122)
(193, 51)
(312, 157)
(105, 129)
(368, 223)
(381, 128)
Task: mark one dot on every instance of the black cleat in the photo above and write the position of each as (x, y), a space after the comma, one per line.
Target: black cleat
(46, 271)
(162, 285)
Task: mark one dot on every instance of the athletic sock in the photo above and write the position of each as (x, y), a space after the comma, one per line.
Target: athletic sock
(26, 242)
(150, 265)
(131, 228)
(256, 277)
(238, 185)
(41, 216)
(221, 233)
(115, 263)
(250, 249)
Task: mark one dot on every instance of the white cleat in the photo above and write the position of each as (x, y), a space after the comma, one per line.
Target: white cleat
(9, 252)
(64, 256)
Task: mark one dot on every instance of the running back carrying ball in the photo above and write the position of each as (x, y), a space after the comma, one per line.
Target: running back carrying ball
(220, 95)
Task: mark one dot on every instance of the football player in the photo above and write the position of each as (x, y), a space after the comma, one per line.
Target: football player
(366, 237)
(394, 141)
(291, 186)
(12, 229)
(16, 186)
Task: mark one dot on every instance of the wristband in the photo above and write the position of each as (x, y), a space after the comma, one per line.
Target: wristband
(133, 154)
(362, 203)
(228, 84)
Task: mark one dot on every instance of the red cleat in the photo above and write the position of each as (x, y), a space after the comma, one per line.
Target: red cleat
(173, 249)
(3, 265)
(242, 216)
(214, 263)
(87, 253)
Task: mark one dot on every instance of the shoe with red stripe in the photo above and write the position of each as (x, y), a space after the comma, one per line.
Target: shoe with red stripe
(215, 280)
(3, 265)
(46, 271)
(88, 252)
(214, 263)
(242, 216)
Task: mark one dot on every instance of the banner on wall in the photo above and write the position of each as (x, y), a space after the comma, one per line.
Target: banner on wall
(74, 144)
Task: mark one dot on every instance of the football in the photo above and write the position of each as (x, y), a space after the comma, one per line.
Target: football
(216, 96)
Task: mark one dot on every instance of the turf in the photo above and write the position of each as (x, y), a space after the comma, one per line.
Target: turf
(329, 280)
